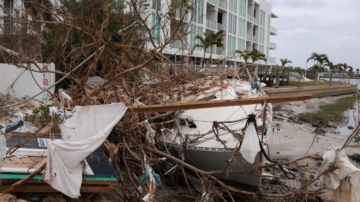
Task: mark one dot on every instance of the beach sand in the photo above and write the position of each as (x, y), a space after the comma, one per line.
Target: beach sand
(297, 140)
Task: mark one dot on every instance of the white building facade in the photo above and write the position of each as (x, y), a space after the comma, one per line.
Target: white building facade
(246, 25)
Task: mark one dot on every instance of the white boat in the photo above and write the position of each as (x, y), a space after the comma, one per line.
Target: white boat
(196, 129)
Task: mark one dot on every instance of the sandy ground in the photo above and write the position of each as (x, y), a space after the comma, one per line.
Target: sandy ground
(294, 140)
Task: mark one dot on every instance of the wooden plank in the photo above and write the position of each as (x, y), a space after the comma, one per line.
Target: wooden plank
(218, 103)
(48, 188)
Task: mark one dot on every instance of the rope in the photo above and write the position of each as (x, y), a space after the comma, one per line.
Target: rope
(252, 118)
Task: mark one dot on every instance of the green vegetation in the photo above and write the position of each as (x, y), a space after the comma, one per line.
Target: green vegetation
(330, 112)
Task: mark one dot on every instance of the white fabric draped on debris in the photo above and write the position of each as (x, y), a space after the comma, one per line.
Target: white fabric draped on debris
(82, 134)
(344, 179)
(250, 145)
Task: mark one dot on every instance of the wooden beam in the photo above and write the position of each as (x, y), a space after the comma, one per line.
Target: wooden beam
(48, 188)
(218, 103)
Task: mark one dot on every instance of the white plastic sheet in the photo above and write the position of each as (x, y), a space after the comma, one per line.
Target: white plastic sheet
(345, 180)
(82, 134)
(250, 145)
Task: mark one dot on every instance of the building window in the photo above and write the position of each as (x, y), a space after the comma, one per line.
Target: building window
(241, 45)
(262, 18)
(156, 4)
(231, 45)
(242, 8)
(198, 11)
(232, 24)
(269, 18)
(233, 5)
(155, 28)
(242, 27)
(262, 35)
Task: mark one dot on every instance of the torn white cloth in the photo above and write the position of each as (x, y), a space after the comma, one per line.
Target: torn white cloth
(338, 158)
(82, 134)
(150, 133)
(250, 145)
(349, 189)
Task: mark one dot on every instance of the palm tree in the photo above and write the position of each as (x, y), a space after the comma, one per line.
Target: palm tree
(283, 63)
(246, 56)
(350, 73)
(316, 69)
(319, 60)
(209, 40)
(344, 68)
(332, 68)
(300, 71)
(256, 55)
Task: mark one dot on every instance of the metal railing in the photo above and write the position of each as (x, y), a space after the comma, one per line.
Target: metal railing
(273, 30)
(273, 45)
(255, 39)
(221, 27)
(249, 37)
(222, 4)
(210, 24)
(271, 59)
(179, 14)
(250, 18)
(212, 1)
(178, 44)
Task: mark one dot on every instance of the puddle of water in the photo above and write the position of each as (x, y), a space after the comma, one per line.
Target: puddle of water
(342, 131)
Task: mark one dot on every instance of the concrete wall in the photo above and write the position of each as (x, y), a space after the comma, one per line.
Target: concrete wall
(20, 83)
(317, 91)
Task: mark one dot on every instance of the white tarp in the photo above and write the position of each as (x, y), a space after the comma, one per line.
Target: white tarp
(344, 180)
(82, 134)
(250, 145)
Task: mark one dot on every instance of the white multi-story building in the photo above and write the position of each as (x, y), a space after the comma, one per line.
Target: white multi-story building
(246, 25)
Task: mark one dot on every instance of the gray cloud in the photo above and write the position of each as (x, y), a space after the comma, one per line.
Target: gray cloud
(322, 26)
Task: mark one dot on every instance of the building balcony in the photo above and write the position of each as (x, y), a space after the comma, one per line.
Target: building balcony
(221, 27)
(179, 44)
(256, 21)
(212, 1)
(272, 60)
(250, 18)
(255, 39)
(273, 30)
(272, 46)
(222, 4)
(249, 37)
(180, 14)
(210, 24)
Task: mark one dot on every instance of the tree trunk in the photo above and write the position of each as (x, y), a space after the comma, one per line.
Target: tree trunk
(315, 78)
(330, 79)
(277, 78)
(203, 62)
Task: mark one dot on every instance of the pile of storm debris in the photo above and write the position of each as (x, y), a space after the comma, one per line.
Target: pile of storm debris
(116, 148)
(119, 98)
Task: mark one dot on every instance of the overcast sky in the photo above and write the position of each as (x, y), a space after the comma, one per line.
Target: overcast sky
(329, 27)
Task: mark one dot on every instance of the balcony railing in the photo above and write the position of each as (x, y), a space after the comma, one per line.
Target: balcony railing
(273, 30)
(221, 27)
(255, 39)
(212, 1)
(178, 44)
(256, 21)
(272, 45)
(249, 37)
(222, 4)
(272, 60)
(180, 14)
(210, 24)
(250, 18)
